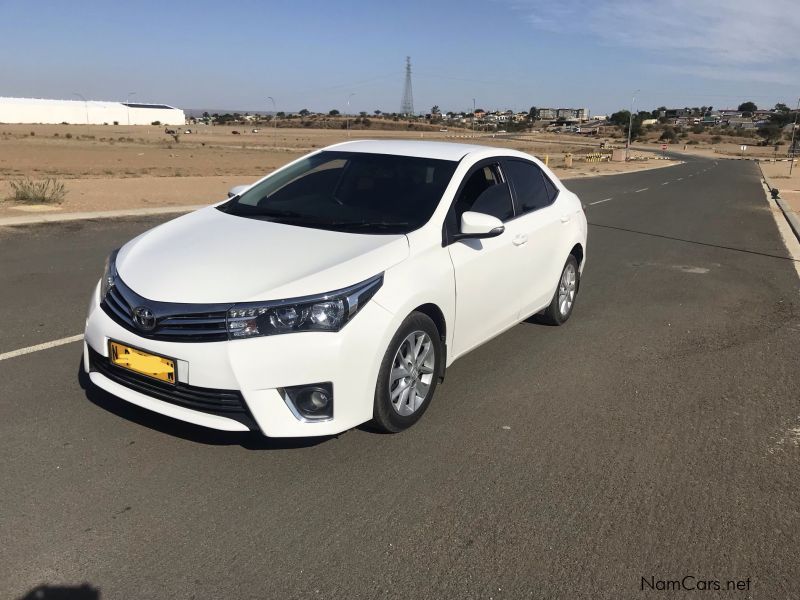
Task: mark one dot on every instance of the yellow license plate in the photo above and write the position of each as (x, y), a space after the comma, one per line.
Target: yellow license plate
(144, 363)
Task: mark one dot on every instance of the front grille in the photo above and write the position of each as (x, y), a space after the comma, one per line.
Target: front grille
(173, 322)
(224, 403)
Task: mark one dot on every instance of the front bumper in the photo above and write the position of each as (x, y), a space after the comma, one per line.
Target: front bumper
(211, 375)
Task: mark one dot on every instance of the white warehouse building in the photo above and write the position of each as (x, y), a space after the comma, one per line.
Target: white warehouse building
(78, 112)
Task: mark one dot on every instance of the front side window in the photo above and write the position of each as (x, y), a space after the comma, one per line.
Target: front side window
(530, 185)
(485, 192)
(349, 191)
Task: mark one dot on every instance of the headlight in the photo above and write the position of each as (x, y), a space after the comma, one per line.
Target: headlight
(325, 312)
(109, 274)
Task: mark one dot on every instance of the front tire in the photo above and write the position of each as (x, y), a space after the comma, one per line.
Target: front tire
(563, 301)
(409, 374)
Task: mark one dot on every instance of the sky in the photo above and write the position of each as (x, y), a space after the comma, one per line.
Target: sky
(503, 53)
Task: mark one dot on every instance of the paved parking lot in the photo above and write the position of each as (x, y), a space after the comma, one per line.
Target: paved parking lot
(654, 436)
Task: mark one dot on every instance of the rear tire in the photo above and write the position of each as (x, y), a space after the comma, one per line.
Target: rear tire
(409, 374)
(563, 301)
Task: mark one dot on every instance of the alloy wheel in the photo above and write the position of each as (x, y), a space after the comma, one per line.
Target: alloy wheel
(412, 373)
(566, 289)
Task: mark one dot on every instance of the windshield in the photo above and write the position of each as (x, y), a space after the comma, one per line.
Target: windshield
(349, 191)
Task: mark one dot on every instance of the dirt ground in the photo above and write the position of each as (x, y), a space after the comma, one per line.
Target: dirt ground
(121, 167)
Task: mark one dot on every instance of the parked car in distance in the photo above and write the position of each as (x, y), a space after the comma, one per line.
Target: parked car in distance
(336, 290)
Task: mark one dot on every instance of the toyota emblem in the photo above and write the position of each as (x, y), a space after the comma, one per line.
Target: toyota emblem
(144, 318)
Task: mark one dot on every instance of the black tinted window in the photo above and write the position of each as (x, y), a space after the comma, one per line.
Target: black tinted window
(349, 191)
(552, 190)
(484, 192)
(530, 185)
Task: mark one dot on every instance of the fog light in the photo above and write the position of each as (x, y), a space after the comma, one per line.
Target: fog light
(312, 402)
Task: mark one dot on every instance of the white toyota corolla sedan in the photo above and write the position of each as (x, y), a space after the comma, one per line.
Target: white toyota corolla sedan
(337, 289)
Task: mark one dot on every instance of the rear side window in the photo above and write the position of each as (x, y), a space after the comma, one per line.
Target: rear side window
(534, 190)
(552, 190)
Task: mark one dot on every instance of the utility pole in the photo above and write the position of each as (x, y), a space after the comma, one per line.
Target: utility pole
(275, 122)
(630, 125)
(407, 107)
(473, 117)
(791, 146)
(127, 105)
(348, 113)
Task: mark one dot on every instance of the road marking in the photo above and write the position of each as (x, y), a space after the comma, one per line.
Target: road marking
(690, 175)
(600, 201)
(641, 190)
(665, 183)
(45, 346)
(680, 178)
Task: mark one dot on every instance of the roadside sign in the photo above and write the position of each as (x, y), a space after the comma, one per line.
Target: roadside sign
(663, 146)
(743, 147)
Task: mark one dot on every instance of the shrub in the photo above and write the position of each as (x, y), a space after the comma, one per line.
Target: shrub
(116, 122)
(716, 139)
(698, 129)
(156, 123)
(47, 191)
(68, 136)
(33, 133)
(669, 135)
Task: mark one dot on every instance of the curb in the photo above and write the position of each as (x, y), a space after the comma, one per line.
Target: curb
(791, 216)
(105, 214)
(788, 213)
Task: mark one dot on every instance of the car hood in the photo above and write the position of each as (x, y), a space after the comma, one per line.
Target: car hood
(212, 257)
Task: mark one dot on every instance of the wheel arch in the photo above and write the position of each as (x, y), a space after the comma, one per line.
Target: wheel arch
(436, 315)
(577, 252)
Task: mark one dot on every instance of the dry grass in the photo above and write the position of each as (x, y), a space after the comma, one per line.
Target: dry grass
(30, 191)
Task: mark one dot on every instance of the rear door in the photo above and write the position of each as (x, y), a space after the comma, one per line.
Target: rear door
(539, 221)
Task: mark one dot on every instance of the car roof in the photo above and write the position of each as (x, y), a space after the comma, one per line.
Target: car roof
(419, 149)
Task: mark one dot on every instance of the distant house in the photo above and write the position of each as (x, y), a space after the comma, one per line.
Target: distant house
(741, 123)
(572, 114)
(677, 113)
(548, 114)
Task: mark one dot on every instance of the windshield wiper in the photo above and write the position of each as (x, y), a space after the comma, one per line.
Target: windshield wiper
(369, 224)
(276, 214)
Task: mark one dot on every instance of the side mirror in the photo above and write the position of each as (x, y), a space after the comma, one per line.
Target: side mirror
(236, 190)
(477, 225)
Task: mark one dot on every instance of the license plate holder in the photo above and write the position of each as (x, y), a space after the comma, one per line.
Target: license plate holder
(154, 366)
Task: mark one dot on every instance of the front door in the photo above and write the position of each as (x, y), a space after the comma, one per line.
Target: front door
(487, 271)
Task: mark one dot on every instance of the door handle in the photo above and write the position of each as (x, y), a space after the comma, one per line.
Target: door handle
(565, 218)
(520, 240)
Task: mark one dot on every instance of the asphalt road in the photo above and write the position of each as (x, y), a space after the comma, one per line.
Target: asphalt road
(654, 436)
